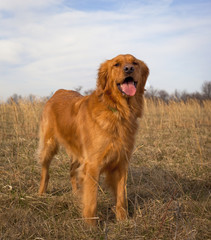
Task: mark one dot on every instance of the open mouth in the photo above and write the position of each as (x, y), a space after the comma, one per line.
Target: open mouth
(128, 87)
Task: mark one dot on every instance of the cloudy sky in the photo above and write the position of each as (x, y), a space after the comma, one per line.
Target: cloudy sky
(50, 44)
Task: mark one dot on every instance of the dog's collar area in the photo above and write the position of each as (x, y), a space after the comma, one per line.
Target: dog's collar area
(112, 109)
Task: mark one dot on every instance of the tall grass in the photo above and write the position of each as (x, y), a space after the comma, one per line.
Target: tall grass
(168, 184)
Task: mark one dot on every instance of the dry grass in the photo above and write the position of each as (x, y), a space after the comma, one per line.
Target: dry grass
(168, 185)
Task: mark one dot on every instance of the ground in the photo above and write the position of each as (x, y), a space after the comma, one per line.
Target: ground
(168, 181)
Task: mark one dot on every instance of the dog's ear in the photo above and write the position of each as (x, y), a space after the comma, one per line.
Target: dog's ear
(144, 75)
(102, 77)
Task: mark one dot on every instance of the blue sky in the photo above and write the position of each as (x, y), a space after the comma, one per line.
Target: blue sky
(50, 44)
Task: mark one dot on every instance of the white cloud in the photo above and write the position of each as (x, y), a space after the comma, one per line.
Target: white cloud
(16, 5)
(10, 51)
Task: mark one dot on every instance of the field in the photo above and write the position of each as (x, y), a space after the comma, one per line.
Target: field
(169, 181)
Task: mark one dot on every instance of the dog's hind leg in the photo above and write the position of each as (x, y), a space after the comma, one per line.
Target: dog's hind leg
(74, 165)
(47, 149)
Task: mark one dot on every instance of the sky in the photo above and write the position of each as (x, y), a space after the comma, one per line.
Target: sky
(46, 45)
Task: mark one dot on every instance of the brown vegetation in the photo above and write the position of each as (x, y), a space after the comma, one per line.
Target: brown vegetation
(168, 185)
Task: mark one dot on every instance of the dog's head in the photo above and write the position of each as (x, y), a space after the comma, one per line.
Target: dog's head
(124, 75)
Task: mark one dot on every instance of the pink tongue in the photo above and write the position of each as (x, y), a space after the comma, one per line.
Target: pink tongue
(128, 88)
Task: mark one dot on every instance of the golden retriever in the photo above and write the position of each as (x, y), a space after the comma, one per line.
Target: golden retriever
(98, 131)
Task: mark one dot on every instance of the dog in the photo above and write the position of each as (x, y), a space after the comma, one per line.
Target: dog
(98, 132)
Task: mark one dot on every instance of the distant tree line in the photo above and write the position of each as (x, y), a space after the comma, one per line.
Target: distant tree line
(151, 93)
(204, 94)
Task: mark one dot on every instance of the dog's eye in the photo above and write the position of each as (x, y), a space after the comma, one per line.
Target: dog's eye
(117, 64)
(135, 63)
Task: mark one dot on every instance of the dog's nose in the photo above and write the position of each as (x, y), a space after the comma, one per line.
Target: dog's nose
(128, 69)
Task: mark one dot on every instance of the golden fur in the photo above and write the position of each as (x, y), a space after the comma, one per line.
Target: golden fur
(97, 131)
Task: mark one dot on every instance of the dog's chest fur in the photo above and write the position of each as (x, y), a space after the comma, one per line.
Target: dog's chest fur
(119, 138)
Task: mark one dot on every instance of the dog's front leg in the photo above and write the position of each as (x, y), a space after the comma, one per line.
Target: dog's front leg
(117, 179)
(121, 194)
(89, 200)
